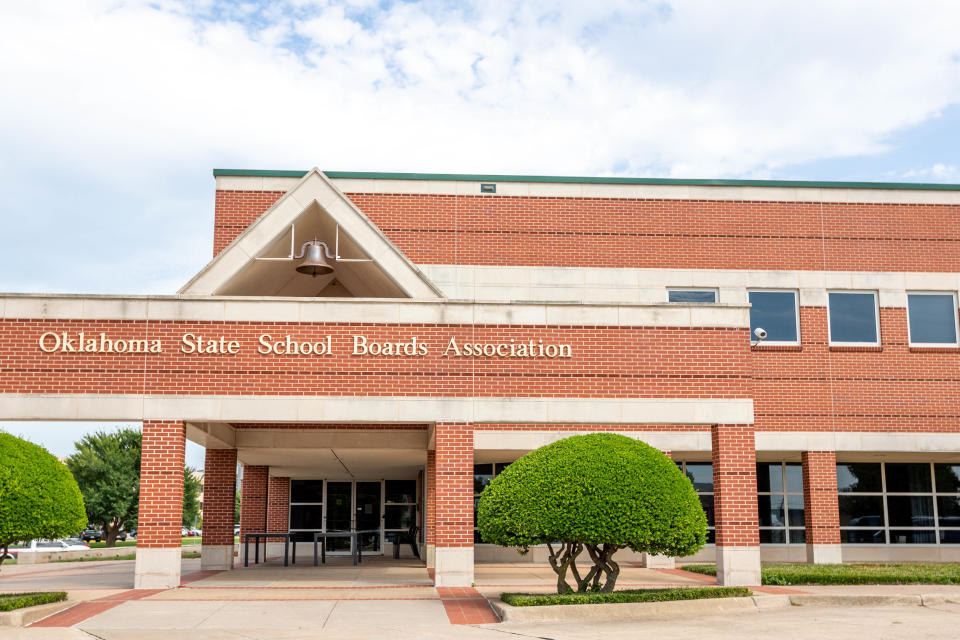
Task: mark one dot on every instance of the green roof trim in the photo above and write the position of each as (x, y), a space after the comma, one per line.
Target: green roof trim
(472, 177)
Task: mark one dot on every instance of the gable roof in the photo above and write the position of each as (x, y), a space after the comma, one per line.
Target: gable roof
(313, 192)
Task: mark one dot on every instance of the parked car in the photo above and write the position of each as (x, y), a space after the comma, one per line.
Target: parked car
(35, 546)
(122, 536)
(132, 533)
(92, 534)
(236, 530)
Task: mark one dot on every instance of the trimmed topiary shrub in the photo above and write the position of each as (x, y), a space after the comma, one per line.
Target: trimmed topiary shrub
(597, 493)
(38, 496)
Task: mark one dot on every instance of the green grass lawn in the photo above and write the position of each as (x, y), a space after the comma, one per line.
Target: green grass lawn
(627, 595)
(129, 556)
(11, 601)
(860, 573)
(186, 541)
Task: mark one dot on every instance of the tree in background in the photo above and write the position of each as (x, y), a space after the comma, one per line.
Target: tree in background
(192, 485)
(38, 496)
(597, 493)
(236, 508)
(107, 468)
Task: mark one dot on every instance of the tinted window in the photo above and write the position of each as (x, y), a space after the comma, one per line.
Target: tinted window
(794, 474)
(770, 477)
(861, 511)
(306, 491)
(400, 491)
(691, 295)
(908, 478)
(482, 475)
(859, 477)
(775, 311)
(932, 318)
(948, 478)
(853, 317)
(701, 475)
(306, 516)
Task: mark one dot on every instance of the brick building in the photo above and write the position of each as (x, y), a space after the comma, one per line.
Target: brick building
(793, 346)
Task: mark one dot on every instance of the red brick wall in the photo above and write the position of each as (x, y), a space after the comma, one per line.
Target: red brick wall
(253, 500)
(161, 484)
(431, 536)
(454, 492)
(820, 505)
(219, 496)
(606, 362)
(735, 485)
(234, 211)
(278, 505)
(502, 230)
(893, 388)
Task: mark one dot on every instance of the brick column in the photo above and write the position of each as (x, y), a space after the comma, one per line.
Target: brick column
(820, 508)
(161, 505)
(219, 496)
(735, 504)
(253, 500)
(431, 506)
(453, 555)
(655, 561)
(278, 510)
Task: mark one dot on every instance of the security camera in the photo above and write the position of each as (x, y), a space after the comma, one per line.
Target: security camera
(761, 333)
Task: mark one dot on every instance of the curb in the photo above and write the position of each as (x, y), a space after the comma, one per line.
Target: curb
(29, 615)
(629, 611)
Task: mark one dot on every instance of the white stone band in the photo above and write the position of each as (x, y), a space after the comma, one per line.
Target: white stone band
(359, 409)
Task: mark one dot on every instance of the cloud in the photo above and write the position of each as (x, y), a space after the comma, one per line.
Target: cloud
(112, 112)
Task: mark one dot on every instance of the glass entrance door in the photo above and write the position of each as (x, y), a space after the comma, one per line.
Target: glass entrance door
(368, 515)
(339, 513)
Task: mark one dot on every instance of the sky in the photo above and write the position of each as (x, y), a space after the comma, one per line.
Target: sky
(114, 112)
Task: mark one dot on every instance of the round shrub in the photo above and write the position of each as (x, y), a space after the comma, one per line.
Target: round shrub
(38, 496)
(592, 490)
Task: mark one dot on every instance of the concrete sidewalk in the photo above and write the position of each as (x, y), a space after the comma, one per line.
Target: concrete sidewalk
(396, 599)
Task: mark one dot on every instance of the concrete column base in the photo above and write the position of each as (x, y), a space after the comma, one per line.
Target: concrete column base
(738, 566)
(431, 556)
(216, 557)
(453, 567)
(653, 561)
(824, 554)
(157, 568)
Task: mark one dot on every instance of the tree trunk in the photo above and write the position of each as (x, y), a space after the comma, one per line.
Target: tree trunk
(3, 552)
(110, 532)
(604, 566)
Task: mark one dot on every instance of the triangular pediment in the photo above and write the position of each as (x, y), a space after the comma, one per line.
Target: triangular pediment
(366, 264)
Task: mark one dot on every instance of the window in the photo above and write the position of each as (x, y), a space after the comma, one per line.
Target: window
(932, 319)
(854, 318)
(306, 506)
(778, 313)
(700, 475)
(691, 295)
(780, 503)
(482, 475)
(899, 503)
(399, 505)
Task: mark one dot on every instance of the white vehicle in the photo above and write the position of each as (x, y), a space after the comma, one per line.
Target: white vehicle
(36, 546)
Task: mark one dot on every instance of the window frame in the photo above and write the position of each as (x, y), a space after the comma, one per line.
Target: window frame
(715, 291)
(936, 528)
(711, 528)
(876, 318)
(956, 327)
(784, 493)
(796, 317)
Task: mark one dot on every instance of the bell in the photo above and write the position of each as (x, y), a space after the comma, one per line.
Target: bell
(314, 261)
